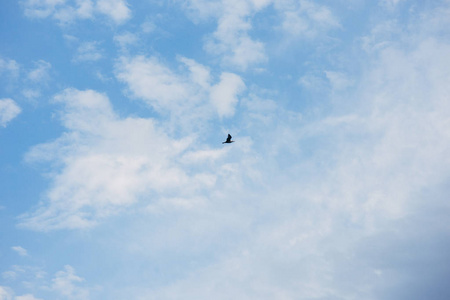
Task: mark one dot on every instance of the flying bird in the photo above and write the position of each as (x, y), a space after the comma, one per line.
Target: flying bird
(228, 141)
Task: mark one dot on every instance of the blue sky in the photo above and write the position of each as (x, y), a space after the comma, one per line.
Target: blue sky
(114, 183)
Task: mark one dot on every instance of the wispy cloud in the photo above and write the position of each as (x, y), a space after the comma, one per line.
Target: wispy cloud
(26, 297)
(306, 18)
(88, 51)
(231, 40)
(20, 250)
(9, 66)
(5, 293)
(66, 283)
(65, 13)
(40, 73)
(8, 111)
(106, 174)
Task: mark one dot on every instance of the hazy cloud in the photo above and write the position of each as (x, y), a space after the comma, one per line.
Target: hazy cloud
(88, 51)
(21, 251)
(8, 111)
(66, 283)
(306, 18)
(5, 293)
(9, 66)
(26, 297)
(66, 12)
(40, 72)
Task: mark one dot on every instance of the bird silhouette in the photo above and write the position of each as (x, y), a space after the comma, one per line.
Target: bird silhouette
(228, 141)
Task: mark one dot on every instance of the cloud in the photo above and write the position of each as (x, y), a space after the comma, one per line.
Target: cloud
(390, 4)
(88, 51)
(64, 12)
(58, 9)
(224, 94)
(9, 66)
(358, 210)
(26, 297)
(8, 111)
(21, 251)
(8, 294)
(152, 81)
(40, 73)
(306, 18)
(31, 93)
(125, 40)
(117, 10)
(338, 80)
(231, 39)
(368, 218)
(178, 92)
(346, 203)
(97, 173)
(66, 284)
(5, 293)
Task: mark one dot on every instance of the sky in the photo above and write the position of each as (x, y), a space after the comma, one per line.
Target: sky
(115, 184)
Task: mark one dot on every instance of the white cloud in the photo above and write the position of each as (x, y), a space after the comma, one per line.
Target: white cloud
(201, 10)
(26, 297)
(390, 4)
(199, 74)
(306, 18)
(58, 9)
(231, 40)
(8, 294)
(41, 8)
(98, 172)
(338, 80)
(383, 35)
(5, 293)
(151, 80)
(88, 51)
(224, 94)
(148, 27)
(65, 12)
(166, 90)
(20, 250)
(67, 283)
(126, 39)
(9, 66)
(40, 73)
(367, 185)
(116, 9)
(8, 111)
(9, 275)
(31, 93)
(347, 204)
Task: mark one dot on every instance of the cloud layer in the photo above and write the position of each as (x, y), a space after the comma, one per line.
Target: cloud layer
(336, 186)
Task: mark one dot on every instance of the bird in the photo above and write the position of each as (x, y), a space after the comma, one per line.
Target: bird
(228, 141)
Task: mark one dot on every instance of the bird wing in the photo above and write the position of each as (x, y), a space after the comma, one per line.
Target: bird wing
(229, 138)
